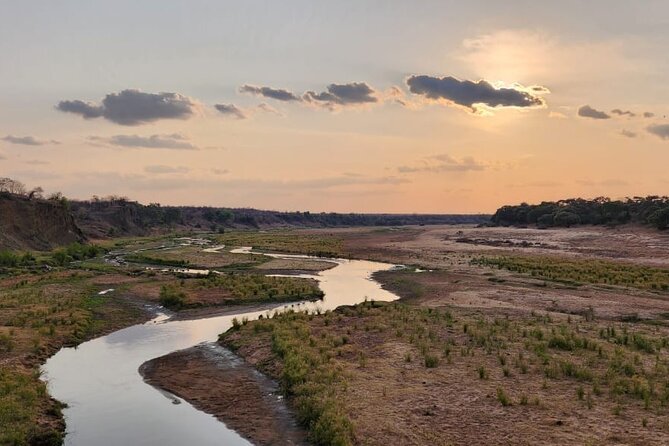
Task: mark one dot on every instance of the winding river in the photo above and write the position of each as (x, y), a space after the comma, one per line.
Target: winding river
(110, 404)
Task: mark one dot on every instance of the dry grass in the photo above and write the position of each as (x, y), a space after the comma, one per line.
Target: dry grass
(416, 376)
(39, 313)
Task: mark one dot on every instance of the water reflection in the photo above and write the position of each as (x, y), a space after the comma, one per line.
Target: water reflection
(109, 403)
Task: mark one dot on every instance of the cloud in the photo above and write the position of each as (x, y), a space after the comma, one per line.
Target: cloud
(173, 142)
(166, 169)
(611, 182)
(614, 182)
(557, 115)
(472, 94)
(628, 133)
(35, 175)
(619, 112)
(114, 182)
(546, 184)
(27, 140)
(37, 162)
(278, 94)
(264, 107)
(354, 93)
(2, 157)
(661, 130)
(444, 163)
(396, 95)
(133, 107)
(230, 110)
(588, 112)
(648, 114)
(521, 54)
(216, 171)
(87, 110)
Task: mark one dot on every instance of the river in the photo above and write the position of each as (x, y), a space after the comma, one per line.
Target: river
(108, 403)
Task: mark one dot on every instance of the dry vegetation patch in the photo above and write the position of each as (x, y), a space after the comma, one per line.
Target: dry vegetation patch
(579, 271)
(374, 374)
(231, 288)
(316, 244)
(39, 313)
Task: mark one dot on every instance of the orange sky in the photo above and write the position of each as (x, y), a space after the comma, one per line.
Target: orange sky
(399, 147)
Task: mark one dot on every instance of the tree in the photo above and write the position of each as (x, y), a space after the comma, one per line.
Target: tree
(566, 218)
(37, 193)
(12, 186)
(660, 218)
(545, 220)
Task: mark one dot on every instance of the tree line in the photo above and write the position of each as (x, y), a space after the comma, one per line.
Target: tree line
(652, 210)
(125, 214)
(9, 186)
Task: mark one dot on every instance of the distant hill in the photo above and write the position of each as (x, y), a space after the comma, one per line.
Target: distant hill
(30, 222)
(35, 224)
(651, 210)
(114, 217)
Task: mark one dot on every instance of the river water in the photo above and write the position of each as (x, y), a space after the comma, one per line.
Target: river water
(110, 404)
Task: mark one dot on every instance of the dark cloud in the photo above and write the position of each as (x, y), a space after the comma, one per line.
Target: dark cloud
(87, 110)
(648, 114)
(217, 171)
(133, 107)
(470, 93)
(173, 142)
(231, 110)
(343, 94)
(166, 169)
(661, 130)
(278, 94)
(628, 133)
(445, 163)
(619, 112)
(588, 112)
(27, 140)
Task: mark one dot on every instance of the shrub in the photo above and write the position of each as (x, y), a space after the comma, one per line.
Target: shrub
(502, 397)
(431, 361)
(171, 297)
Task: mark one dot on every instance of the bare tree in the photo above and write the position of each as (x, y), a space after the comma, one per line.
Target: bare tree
(37, 193)
(12, 186)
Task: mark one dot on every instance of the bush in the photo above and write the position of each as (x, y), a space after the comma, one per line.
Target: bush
(171, 297)
(502, 397)
(431, 361)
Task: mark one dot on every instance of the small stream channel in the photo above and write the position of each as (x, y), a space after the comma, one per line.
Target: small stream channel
(110, 404)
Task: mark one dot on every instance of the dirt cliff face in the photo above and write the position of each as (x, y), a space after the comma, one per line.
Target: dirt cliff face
(35, 224)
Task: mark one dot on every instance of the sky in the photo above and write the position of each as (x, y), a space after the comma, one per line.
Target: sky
(347, 106)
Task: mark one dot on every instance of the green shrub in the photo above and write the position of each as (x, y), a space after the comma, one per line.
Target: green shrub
(171, 297)
(431, 361)
(502, 397)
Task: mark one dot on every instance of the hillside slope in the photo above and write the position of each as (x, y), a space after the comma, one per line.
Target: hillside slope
(120, 217)
(35, 224)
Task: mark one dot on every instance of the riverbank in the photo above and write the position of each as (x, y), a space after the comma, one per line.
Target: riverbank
(216, 381)
(41, 313)
(46, 310)
(115, 359)
(505, 336)
(383, 374)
